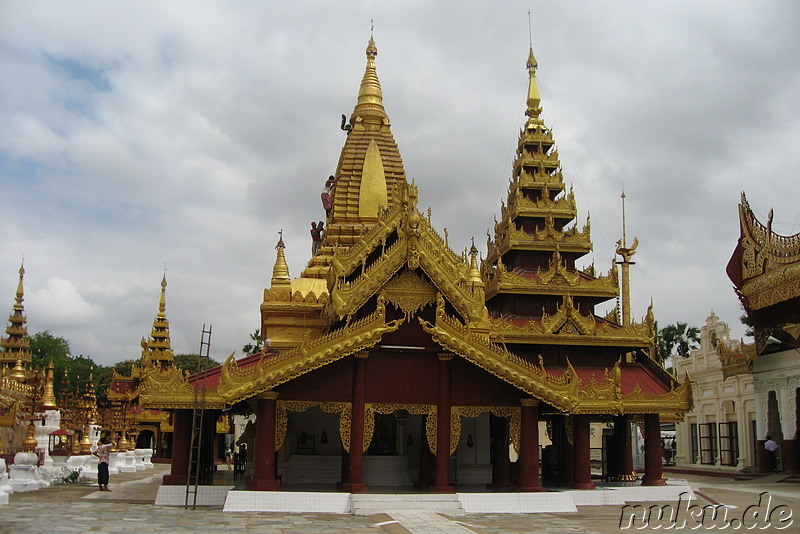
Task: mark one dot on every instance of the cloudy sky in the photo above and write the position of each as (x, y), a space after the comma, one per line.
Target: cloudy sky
(139, 134)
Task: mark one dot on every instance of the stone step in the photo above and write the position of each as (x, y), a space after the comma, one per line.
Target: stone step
(411, 497)
(368, 504)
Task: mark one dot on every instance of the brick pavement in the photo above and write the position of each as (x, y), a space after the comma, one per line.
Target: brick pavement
(129, 508)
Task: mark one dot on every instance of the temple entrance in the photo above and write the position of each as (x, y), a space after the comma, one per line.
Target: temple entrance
(385, 435)
(146, 440)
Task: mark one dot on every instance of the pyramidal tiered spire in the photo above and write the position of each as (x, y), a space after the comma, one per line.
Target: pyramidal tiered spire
(369, 170)
(15, 345)
(158, 348)
(530, 270)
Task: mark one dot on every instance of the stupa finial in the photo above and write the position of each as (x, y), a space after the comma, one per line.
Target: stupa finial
(370, 97)
(280, 271)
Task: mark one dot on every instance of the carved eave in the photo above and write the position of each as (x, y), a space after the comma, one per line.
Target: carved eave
(555, 280)
(736, 359)
(508, 237)
(765, 266)
(544, 163)
(169, 389)
(521, 206)
(237, 384)
(538, 180)
(565, 391)
(123, 396)
(572, 331)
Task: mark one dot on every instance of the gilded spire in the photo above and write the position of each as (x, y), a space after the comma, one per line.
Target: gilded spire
(162, 304)
(370, 97)
(16, 345)
(48, 394)
(534, 99)
(158, 349)
(474, 274)
(280, 272)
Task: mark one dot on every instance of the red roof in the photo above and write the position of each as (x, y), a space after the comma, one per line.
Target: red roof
(630, 376)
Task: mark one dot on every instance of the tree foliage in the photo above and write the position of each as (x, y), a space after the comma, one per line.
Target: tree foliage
(678, 337)
(188, 362)
(255, 344)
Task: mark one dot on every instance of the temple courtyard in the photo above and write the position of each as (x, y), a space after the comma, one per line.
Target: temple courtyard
(130, 507)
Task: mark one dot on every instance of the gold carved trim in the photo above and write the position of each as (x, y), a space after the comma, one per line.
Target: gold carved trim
(370, 409)
(344, 409)
(736, 360)
(170, 389)
(566, 392)
(8, 413)
(512, 413)
(410, 293)
(238, 384)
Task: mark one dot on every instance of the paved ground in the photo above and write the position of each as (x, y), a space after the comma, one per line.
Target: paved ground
(129, 508)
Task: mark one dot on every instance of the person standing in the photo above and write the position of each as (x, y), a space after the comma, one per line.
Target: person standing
(103, 452)
(772, 451)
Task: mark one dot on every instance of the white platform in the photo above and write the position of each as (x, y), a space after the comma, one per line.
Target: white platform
(288, 501)
(206, 495)
(452, 504)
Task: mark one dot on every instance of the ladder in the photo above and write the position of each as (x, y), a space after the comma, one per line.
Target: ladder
(198, 412)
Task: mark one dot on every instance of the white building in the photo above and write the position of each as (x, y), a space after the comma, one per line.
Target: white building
(720, 431)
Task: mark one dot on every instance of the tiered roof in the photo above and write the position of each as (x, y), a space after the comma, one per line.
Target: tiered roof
(158, 349)
(15, 346)
(534, 291)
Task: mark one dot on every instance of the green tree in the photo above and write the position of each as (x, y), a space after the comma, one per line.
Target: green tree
(188, 362)
(255, 343)
(679, 337)
(45, 347)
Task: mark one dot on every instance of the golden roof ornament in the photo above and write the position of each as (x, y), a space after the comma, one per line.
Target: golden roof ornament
(370, 97)
(474, 274)
(16, 344)
(48, 394)
(29, 444)
(280, 272)
(86, 442)
(158, 349)
(626, 253)
(18, 373)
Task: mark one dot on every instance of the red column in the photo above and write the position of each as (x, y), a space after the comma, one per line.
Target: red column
(354, 482)
(181, 436)
(529, 447)
(425, 458)
(581, 453)
(159, 441)
(442, 478)
(653, 469)
(264, 459)
(501, 464)
(623, 450)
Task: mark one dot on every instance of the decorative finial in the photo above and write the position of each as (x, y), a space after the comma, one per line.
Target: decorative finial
(624, 238)
(530, 33)
(280, 271)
